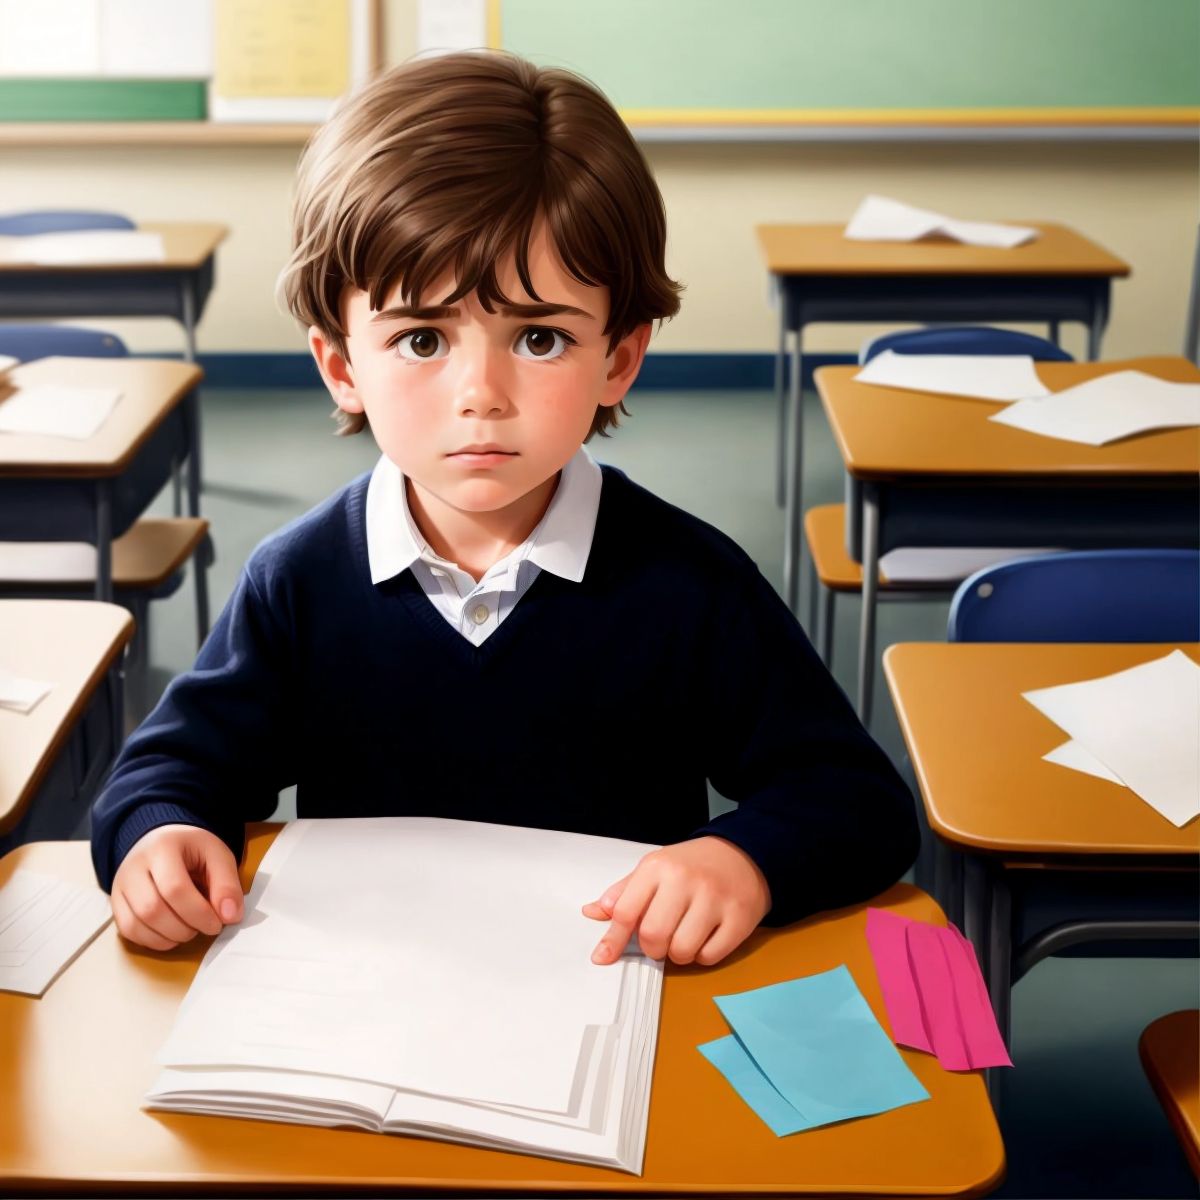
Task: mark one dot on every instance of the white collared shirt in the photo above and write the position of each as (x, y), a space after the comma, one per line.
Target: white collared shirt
(560, 544)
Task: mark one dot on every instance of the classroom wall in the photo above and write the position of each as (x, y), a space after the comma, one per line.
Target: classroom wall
(1138, 199)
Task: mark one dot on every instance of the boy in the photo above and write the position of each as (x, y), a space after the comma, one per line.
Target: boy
(490, 626)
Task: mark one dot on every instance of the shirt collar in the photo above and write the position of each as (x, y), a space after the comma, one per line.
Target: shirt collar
(560, 544)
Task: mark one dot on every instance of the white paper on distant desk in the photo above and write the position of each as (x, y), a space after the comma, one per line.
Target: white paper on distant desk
(979, 376)
(1143, 724)
(935, 564)
(1107, 408)
(44, 924)
(83, 247)
(881, 219)
(19, 694)
(53, 411)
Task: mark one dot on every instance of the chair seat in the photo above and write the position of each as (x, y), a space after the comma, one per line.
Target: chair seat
(1170, 1051)
(923, 569)
(144, 557)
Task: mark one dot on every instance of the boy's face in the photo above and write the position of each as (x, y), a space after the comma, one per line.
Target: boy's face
(479, 409)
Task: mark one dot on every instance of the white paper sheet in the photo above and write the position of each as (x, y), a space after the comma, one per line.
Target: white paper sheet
(45, 562)
(44, 924)
(53, 411)
(929, 564)
(1074, 756)
(881, 219)
(83, 247)
(7, 362)
(1107, 408)
(979, 376)
(21, 695)
(1143, 724)
(323, 938)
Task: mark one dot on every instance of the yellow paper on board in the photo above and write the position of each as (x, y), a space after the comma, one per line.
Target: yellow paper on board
(281, 48)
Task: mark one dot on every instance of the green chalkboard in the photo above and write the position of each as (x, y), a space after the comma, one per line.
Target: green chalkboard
(809, 58)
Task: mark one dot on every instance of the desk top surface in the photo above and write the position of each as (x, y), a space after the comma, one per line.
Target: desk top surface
(187, 245)
(822, 250)
(977, 747)
(891, 433)
(75, 1065)
(150, 389)
(71, 644)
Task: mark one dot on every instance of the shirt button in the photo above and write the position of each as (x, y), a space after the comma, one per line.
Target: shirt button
(479, 614)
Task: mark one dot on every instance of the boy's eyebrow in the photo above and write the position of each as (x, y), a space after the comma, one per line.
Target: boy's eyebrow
(443, 312)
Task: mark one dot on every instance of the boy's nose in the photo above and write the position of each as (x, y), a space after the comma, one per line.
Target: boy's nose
(482, 389)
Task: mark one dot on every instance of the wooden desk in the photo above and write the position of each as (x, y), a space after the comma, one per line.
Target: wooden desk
(77, 646)
(66, 489)
(928, 470)
(177, 287)
(1170, 1053)
(1033, 837)
(820, 275)
(77, 1062)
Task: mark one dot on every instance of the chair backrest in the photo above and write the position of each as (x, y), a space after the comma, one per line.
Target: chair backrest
(964, 339)
(1082, 596)
(22, 224)
(27, 342)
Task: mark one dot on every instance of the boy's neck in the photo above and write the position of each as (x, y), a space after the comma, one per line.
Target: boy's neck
(476, 541)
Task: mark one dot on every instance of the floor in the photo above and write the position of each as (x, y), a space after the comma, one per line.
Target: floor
(1078, 1117)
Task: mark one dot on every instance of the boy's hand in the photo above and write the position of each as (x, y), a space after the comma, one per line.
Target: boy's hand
(176, 881)
(692, 902)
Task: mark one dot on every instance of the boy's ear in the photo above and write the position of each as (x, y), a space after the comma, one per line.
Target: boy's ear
(335, 371)
(624, 364)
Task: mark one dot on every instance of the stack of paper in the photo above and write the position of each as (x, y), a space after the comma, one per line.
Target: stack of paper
(934, 992)
(416, 975)
(21, 695)
(1107, 408)
(44, 924)
(84, 246)
(53, 411)
(880, 219)
(1140, 727)
(981, 376)
(809, 1052)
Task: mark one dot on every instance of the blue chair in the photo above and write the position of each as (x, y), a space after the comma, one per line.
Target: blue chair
(830, 566)
(147, 560)
(25, 224)
(1082, 596)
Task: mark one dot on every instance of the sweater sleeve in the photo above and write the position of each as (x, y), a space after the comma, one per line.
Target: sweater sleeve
(821, 809)
(211, 752)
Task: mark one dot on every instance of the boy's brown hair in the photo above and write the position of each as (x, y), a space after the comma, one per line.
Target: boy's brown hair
(447, 164)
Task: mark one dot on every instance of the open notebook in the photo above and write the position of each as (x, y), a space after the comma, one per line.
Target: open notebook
(430, 977)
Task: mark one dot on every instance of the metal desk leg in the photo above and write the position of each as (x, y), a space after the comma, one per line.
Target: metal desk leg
(1055, 335)
(1098, 322)
(948, 880)
(976, 905)
(187, 287)
(870, 596)
(104, 579)
(1000, 953)
(825, 626)
(794, 512)
(191, 426)
(781, 403)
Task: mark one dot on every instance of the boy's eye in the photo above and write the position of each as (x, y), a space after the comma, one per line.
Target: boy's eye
(420, 345)
(539, 341)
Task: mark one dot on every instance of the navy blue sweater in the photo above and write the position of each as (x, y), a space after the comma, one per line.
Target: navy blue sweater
(600, 707)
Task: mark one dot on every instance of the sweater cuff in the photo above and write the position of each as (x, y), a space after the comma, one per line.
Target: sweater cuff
(140, 822)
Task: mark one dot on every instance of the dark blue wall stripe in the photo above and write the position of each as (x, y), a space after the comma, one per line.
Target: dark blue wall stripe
(694, 372)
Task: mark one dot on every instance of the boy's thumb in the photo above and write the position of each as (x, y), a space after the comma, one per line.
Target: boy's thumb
(224, 887)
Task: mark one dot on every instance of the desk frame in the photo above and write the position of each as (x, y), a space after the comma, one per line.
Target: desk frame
(806, 299)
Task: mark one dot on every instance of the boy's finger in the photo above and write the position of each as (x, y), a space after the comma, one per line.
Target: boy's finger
(147, 904)
(670, 907)
(608, 901)
(224, 887)
(179, 890)
(134, 930)
(626, 916)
